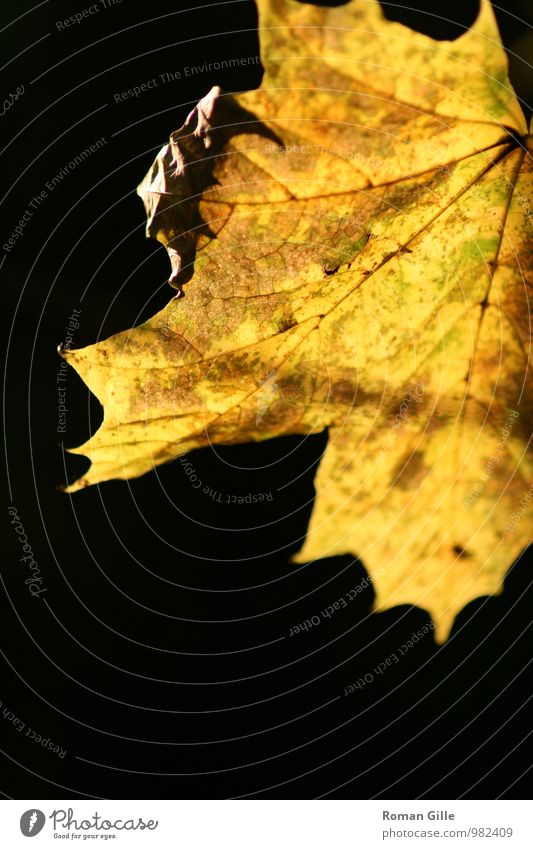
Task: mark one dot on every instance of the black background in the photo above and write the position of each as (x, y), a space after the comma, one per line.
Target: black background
(161, 659)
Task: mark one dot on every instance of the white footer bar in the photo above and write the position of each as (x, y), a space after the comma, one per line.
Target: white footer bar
(268, 824)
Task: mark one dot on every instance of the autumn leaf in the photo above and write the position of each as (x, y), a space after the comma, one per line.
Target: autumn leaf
(354, 244)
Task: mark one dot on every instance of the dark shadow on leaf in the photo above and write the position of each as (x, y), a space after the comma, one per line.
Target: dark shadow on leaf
(444, 20)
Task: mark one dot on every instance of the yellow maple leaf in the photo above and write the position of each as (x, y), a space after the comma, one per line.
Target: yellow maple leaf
(354, 241)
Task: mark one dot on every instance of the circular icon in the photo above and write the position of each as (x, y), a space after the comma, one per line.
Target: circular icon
(32, 822)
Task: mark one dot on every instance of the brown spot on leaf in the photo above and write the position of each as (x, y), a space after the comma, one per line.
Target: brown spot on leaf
(459, 551)
(410, 472)
(286, 323)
